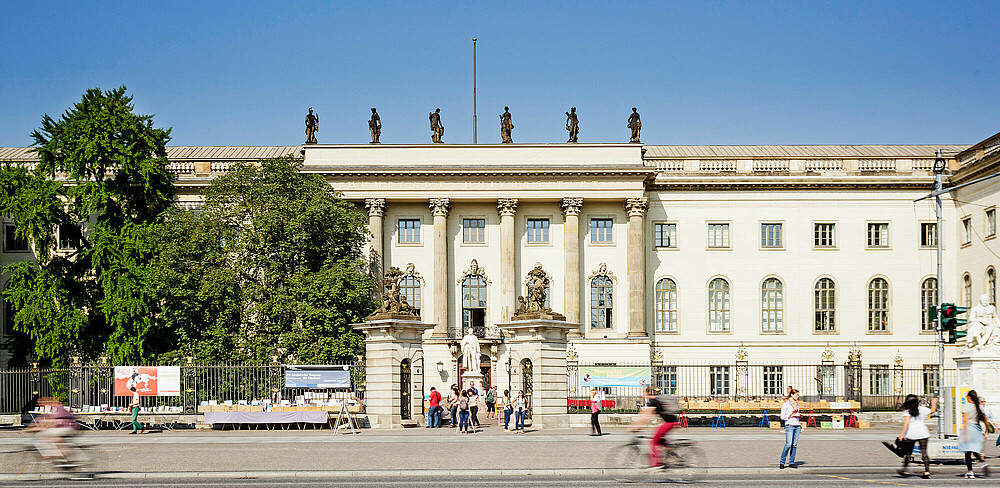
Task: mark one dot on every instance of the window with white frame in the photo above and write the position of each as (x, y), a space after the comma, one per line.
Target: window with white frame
(474, 231)
(774, 381)
(966, 290)
(600, 302)
(824, 235)
(718, 377)
(928, 234)
(12, 243)
(878, 380)
(928, 299)
(930, 379)
(991, 222)
(409, 288)
(666, 379)
(878, 305)
(718, 305)
(69, 236)
(825, 305)
(718, 235)
(409, 231)
(664, 235)
(538, 231)
(967, 230)
(601, 231)
(991, 285)
(770, 235)
(771, 306)
(666, 305)
(878, 234)
(474, 304)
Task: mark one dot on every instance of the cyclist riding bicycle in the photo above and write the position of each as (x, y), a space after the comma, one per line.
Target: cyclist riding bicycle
(55, 426)
(666, 408)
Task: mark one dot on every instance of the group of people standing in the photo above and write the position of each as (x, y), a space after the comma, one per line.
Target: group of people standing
(464, 406)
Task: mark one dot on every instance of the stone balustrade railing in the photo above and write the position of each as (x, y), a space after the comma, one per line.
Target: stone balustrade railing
(877, 165)
(717, 165)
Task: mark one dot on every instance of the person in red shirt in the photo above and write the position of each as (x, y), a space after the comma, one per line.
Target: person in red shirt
(435, 411)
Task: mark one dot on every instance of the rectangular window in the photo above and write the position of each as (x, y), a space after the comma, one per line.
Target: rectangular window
(774, 381)
(718, 377)
(878, 379)
(718, 235)
(665, 235)
(69, 236)
(824, 235)
(967, 230)
(666, 380)
(474, 231)
(770, 235)
(8, 318)
(538, 231)
(409, 231)
(991, 222)
(878, 235)
(600, 231)
(930, 378)
(928, 234)
(11, 243)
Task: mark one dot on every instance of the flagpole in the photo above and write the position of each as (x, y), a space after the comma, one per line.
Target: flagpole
(475, 129)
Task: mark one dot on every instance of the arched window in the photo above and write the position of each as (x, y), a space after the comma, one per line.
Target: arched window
(991, 285)
(718, 305)
(474, 304)
(966, 290)
(771, 306)
(666, 305)
(600, 302)
(409, 287)
(928, 299)
(878, 305)
(825, 305)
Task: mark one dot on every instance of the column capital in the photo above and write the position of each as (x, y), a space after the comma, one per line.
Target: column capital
(637, 207)
(507, 206)
(572, 205)
(375, 206)
(440, 206)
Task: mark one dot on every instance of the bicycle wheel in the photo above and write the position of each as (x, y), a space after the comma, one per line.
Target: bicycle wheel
(628, 461)
(685, 462)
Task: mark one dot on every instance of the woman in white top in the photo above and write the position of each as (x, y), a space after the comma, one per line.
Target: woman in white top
(915, 431)
(970, 440)
(790, 414)
(520, 410)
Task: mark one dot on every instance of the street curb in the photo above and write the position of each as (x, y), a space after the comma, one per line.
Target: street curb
(428, 473)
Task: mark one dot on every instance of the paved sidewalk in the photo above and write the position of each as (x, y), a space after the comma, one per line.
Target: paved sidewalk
(411, 451)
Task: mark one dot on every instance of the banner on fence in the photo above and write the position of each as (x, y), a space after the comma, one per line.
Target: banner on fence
(148, 380)
(318, 377)
(593, 376)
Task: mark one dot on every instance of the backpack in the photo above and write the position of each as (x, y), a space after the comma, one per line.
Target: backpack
(489, 396)
(668, 405)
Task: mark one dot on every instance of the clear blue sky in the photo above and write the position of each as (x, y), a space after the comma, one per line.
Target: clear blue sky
(244, 73)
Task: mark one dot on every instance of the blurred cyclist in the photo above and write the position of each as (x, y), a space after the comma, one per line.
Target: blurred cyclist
(666, 408)
(55, 426)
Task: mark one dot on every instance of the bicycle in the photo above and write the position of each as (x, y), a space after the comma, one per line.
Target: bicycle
(681, 459)
(76, 464)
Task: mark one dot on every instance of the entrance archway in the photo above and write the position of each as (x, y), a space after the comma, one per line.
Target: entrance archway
(527, 383)
(404, 389)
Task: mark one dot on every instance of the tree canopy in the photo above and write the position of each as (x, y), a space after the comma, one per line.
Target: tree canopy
(101, 177)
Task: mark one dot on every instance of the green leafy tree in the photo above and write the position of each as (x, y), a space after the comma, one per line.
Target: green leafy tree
(111, 189)
(270, 265)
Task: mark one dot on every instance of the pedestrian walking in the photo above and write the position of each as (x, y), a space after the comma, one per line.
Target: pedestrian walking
(915, 431)
(970, 440)
(435, 411)
(508, 410)
(453, 397)
(491, 402)
(520, 411)
(463, 413)
(596, 397)
(474, 400)
(790, 414)
(137, 428)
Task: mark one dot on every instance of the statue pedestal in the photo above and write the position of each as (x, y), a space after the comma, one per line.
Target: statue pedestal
(537, 352)
(393, 369)
(981, 372)
(476, 378)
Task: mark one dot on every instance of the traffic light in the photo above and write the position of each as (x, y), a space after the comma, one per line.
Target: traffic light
(950, 321)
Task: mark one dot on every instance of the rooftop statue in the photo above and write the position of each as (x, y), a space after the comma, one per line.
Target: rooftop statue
(572, 124)
(312, 127)
(506, 126)
(375, 126)
(437, 130)
(635, 125)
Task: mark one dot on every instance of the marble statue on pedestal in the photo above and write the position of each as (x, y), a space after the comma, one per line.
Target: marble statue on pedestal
(984, 329)
(470, 350)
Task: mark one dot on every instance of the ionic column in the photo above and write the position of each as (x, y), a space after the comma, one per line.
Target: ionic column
(636, 264)
(571, 246)
(439, 208)
(507, 207)
(376, 211)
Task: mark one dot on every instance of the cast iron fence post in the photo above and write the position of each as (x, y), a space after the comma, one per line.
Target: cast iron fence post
(190, 383)
(75, 382)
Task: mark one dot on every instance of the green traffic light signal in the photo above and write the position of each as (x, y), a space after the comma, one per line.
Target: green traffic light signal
(950, 321)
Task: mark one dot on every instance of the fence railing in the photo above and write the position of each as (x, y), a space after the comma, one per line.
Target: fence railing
(876, 388)
(93, 386)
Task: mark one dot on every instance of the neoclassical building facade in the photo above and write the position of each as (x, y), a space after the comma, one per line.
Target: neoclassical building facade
(685, 254)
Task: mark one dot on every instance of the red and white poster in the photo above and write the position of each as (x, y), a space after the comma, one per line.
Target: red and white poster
(148, 380)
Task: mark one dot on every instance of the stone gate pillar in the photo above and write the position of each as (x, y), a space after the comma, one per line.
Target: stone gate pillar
(393, 344)
(541, 338)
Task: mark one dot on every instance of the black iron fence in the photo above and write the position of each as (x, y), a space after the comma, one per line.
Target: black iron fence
(874, 387)
(90, 386)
